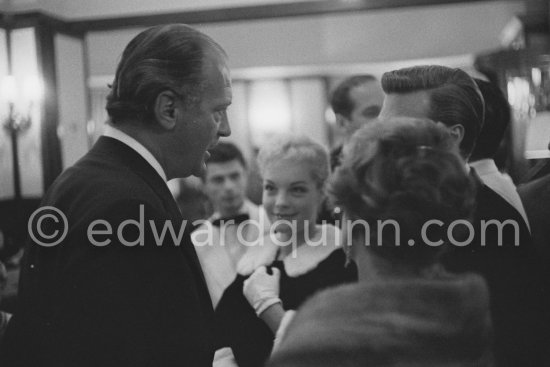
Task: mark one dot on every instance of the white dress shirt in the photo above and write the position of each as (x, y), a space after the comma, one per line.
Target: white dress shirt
(500, 183)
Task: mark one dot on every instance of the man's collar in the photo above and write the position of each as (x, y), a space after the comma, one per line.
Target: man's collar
(484, 166)
(121, 136)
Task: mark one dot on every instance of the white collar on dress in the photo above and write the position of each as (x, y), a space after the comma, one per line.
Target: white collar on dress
(300, 261)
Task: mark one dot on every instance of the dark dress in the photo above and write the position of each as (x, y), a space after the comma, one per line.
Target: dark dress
(248, 336)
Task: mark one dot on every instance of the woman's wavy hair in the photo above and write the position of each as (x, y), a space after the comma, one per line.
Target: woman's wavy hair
(298, 148)
(409, 171)
(167, 57)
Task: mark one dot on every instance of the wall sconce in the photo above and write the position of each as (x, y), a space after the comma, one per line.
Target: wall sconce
(42, 91)
(19, 99)
(46, 61)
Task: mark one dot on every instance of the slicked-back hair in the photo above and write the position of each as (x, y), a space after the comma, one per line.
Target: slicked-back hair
(340, 100)
(497, 119)
(167, 57)
(455, 99)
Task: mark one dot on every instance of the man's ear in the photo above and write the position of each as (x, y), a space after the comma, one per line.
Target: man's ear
(166, 109)
(457, 132)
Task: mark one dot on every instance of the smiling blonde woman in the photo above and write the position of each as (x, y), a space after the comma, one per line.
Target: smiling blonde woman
(297, 258)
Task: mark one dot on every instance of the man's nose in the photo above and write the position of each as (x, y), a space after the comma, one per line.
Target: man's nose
(228, 184)
(281, 200)
(224, 128)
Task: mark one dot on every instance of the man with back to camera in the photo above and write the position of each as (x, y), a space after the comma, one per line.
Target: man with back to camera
(510, 267)
(129, 296)
(356, 101)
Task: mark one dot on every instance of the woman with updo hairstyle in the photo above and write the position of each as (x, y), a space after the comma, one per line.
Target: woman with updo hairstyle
(405, 310)
(295, 260)
(407, 176)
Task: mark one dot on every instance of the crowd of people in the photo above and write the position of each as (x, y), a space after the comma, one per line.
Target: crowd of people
(433, 258)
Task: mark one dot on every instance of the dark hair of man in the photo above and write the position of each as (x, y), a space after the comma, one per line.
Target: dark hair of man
(340, 100)
(497, 119)
(454, 97)
(167, 57)
(225, 152)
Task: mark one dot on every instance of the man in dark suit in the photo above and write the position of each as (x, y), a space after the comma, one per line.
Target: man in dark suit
(536, 199)
(124, 286)
(502, 252)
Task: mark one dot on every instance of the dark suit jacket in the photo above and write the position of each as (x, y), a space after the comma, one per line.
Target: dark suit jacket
(114, 305)
(514, 275)
(535, 196)
(539, 170)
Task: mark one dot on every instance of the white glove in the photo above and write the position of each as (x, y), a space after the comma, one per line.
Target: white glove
(262, 290)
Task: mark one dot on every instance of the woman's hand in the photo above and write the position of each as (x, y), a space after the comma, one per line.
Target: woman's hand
(262, 289)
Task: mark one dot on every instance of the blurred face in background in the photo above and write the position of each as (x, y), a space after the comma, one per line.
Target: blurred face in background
(290, 194)
(367, 101)
(225, 185)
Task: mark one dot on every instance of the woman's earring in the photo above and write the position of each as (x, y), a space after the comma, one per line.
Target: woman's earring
(347, 252)
(346, 238)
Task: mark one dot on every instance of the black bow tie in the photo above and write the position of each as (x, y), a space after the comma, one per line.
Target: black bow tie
(237, 219)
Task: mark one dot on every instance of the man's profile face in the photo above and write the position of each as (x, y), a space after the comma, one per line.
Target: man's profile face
(225, 185)
(412, 104)
(367, 100)
(202, 123)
